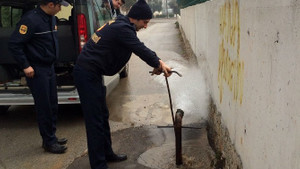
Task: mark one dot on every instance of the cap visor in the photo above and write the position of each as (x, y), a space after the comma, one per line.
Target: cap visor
(64, 3)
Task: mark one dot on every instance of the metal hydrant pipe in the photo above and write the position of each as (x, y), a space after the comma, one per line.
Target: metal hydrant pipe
(178, 137)
(177, 123)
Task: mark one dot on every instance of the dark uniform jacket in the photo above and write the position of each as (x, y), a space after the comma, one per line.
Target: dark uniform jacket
(110, 48)
(34, 42)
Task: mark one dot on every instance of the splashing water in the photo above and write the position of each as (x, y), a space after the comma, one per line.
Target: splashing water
(188, 92)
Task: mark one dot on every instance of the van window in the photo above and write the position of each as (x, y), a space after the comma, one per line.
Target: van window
(10, 16)
(102, 11)
(65, 13)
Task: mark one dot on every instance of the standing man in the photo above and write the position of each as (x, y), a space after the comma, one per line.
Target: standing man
(115, 7)
(34, 46)
(106, 52)
(112, 7)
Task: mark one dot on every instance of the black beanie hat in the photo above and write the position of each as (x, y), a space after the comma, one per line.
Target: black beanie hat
(140, 10)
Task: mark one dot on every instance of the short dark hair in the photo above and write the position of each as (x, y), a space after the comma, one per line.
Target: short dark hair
(123, 1)
(45, 2)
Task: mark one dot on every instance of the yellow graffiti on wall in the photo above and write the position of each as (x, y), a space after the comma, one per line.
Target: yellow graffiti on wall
(231, 67)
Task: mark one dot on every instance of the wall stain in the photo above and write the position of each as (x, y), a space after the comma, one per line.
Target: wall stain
(231, 67)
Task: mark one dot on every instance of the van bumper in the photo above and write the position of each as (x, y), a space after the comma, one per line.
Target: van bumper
(65, 96)
(70, 97)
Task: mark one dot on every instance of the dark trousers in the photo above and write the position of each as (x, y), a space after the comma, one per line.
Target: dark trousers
(92, 93)
(44, 92)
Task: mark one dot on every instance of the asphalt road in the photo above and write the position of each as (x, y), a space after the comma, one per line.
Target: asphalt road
(139, 100)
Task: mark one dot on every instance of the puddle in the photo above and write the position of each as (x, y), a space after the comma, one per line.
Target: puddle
(194, 156)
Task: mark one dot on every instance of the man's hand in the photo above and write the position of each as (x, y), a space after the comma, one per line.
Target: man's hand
(163, 68)
(29, 72)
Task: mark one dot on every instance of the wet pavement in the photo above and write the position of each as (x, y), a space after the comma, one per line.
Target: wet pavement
(140, 103)
(151, 147)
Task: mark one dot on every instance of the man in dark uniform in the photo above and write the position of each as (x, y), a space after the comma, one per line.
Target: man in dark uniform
(34, 46)
(106, 52)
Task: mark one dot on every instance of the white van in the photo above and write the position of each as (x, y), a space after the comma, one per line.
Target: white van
(76, 23)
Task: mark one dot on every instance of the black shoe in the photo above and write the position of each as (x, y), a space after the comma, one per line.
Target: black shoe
(55, 148)
(62, 141)
(116, 157)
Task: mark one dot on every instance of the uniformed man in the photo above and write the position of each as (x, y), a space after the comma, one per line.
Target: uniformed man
(34, 46)
(106, 52)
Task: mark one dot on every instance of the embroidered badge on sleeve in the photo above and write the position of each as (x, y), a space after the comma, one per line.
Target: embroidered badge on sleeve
(95, 38)
(23, 29)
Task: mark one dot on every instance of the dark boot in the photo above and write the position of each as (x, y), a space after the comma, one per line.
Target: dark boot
(116, 157)
(55, 148)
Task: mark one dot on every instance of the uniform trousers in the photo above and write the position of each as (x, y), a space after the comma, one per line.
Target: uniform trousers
(44, 92)
(92, 94)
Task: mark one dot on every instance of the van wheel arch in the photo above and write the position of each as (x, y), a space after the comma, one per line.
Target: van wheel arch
(3, 109)
(125, 71)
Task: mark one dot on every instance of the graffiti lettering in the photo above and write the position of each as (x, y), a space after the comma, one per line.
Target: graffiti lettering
(231, 68)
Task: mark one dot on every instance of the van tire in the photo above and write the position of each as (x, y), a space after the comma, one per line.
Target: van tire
(125, 71)
(3, 109)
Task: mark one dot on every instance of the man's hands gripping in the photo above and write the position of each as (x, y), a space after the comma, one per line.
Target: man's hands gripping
(163, 68)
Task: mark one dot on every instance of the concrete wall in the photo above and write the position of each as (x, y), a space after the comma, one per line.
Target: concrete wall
(250, 52)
